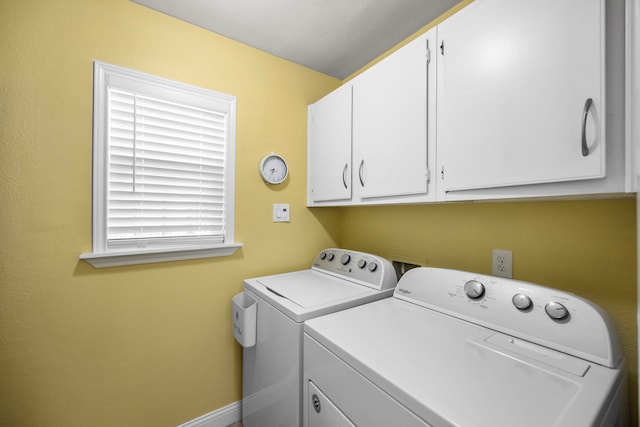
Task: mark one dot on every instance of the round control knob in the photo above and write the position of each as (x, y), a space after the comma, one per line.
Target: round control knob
(556, 311)
(474, 289)
(331, 257)
(522, 302)
(362, 263)
(345, 259)
(373, 266)
(323, 255)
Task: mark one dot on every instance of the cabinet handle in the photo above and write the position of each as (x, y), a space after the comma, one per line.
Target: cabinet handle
(344, 175)
(585, 114)
(360, 173)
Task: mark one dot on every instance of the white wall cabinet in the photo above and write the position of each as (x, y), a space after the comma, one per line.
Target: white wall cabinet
(392, 125)
(530, 103)
(329, 148)
(529, 100)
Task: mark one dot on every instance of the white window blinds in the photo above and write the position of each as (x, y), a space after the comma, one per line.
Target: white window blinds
(163, 169)
(166, 171)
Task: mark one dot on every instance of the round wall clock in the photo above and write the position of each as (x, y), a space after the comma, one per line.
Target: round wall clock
(273, 169)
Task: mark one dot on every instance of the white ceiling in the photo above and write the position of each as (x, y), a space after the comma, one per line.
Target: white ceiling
(335, 37)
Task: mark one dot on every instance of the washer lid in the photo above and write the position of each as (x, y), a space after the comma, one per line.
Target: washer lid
(301, 295)
(310, 289)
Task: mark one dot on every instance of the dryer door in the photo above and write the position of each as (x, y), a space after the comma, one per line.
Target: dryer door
(322, 412)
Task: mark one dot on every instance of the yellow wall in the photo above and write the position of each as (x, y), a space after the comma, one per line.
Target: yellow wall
(151, 345)
(146, 345)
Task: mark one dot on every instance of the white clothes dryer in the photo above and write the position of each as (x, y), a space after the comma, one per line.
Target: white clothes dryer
(453, 348)
(272, 367)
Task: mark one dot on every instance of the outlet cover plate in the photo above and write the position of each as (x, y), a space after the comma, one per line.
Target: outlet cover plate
(502, 263)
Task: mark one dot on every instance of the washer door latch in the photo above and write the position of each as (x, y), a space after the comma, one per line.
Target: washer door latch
(316, 402)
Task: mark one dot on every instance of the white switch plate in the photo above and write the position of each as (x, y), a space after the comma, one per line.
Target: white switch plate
(502, 263)
(281, 213)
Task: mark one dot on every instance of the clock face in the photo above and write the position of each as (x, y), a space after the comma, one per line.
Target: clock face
(273, 169)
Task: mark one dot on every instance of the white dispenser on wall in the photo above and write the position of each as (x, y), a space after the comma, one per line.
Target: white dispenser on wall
(244, 319)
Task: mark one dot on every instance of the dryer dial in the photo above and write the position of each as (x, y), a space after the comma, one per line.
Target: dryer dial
(474, 289)
(344, 259)
(362, 263)
(556, 311)
(522, 302)
(373, 266)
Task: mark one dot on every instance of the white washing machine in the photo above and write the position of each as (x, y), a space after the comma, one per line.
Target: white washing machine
(272, 357)
(454, 348)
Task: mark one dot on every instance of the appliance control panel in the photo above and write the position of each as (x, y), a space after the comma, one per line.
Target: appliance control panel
(367, 269)
(545, 316)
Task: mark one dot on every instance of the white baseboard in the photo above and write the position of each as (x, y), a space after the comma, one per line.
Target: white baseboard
(222, 417)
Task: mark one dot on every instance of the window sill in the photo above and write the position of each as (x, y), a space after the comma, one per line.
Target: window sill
(116, 259)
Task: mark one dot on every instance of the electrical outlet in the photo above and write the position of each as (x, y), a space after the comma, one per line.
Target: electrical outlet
(502, 263)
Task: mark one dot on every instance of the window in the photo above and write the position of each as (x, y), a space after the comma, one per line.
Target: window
(163, 170)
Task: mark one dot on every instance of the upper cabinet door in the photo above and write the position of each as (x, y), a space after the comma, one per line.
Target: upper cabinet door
(521, 93)
(390, 123)
(329, 147)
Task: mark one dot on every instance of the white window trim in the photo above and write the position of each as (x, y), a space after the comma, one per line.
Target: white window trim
(115, 259)
(101, 257)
